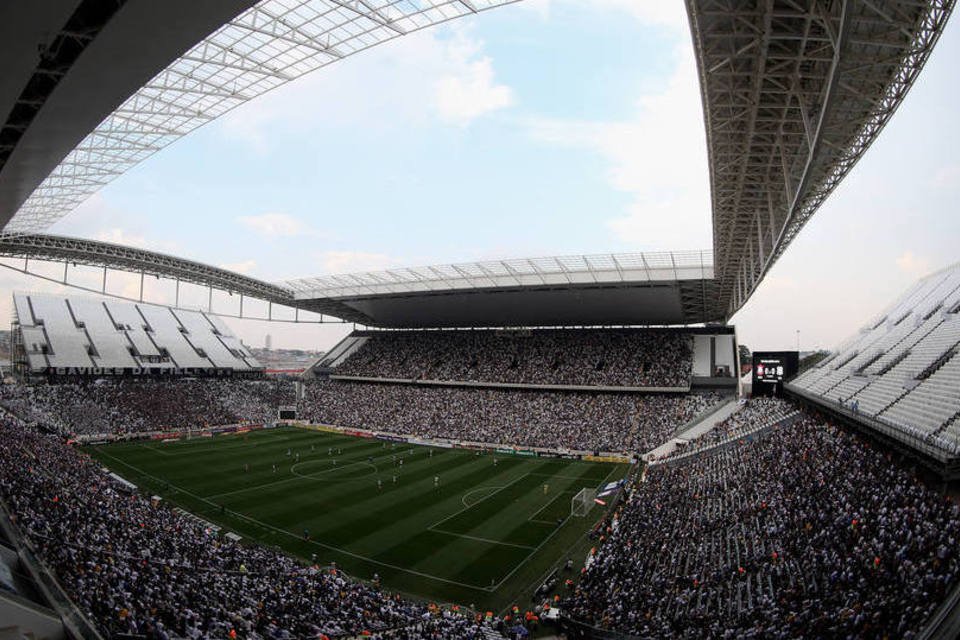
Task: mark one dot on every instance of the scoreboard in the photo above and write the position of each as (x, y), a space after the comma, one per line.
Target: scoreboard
(771, 368)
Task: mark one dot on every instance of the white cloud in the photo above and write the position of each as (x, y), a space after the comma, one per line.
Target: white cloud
(665, 13)
(658, 157)
(335, 262)
(947, 177)
(913, 265)
(116, 235)
(651, 12)
(245, 266)
(274, 225)
(424, 77)
(468, 90)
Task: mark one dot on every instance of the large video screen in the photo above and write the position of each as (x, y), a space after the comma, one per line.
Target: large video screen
(770, 369)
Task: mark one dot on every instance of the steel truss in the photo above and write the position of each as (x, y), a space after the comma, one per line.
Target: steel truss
(106, 255)
(793, 94)
(266, 46)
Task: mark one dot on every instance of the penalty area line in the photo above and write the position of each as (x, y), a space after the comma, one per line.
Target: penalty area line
(269, 527)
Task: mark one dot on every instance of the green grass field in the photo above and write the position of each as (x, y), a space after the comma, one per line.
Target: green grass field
(486, 536)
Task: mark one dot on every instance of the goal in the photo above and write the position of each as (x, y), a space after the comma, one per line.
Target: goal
(581, 503)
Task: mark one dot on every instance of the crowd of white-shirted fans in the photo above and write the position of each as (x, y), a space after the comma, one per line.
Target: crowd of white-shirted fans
(750, 416)
(141, 406)
(134, 567)
(801, 531)
(588, 421)
(626, 422)
(609, 357)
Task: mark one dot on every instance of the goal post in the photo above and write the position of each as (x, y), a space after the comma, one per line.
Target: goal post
(581, 503)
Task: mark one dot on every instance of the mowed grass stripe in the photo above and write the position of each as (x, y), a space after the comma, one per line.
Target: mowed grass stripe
(325, 490)
(513, 521)
(224, 465)
(417, 499)
(427, 505)
(365, 529)
(351, 465)
(430, 552)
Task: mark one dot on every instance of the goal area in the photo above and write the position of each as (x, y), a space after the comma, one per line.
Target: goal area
(581, 503)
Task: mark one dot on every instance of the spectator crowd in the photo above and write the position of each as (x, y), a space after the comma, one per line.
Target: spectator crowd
(594, 357)
(591, 421)
(138, 406)
(628, 422)
(802, 531)
(750, 416)
(140, 568)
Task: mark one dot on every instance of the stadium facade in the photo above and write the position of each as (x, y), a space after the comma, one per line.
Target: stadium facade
(546, 364)
(57, 336)
(793, 96)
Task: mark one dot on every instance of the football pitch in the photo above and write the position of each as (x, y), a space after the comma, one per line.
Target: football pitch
(442, 524)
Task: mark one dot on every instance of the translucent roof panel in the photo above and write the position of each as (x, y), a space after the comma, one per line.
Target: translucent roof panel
(628, 267)
(266, 46)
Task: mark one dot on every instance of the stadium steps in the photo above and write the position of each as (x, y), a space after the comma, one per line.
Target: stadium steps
(932, 339)
(850, 387)
(934, 403)
(931, 403)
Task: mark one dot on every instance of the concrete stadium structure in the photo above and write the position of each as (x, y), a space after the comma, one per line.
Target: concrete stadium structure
(901, 372)
(793, 95)
(55, 335)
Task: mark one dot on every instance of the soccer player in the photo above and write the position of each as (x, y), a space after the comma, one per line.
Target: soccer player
(494, 460)
(546, 489)
(394, 479)
(436, 481)
(274, 467)
(379, 484)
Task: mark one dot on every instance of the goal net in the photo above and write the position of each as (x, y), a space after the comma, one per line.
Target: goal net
(581, 503)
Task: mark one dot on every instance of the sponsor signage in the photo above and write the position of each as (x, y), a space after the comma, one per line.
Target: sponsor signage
(620, 459)
(138, 371)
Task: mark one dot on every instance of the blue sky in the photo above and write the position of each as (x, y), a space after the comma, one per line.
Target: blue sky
(547, 127)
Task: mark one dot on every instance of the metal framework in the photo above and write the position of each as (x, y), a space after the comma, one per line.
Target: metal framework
(41, 248)
(607, 268)
(793, 94)
(264, 47)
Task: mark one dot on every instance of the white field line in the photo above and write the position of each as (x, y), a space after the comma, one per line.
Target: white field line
(487, 540)
(533, 517)
(269, 527)
(463, 500)
(300, 476)
(540, 546)
(483, 499)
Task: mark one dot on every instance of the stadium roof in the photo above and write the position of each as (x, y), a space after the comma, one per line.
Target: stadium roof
(793, 94)
(75, 127)
(606, 289)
